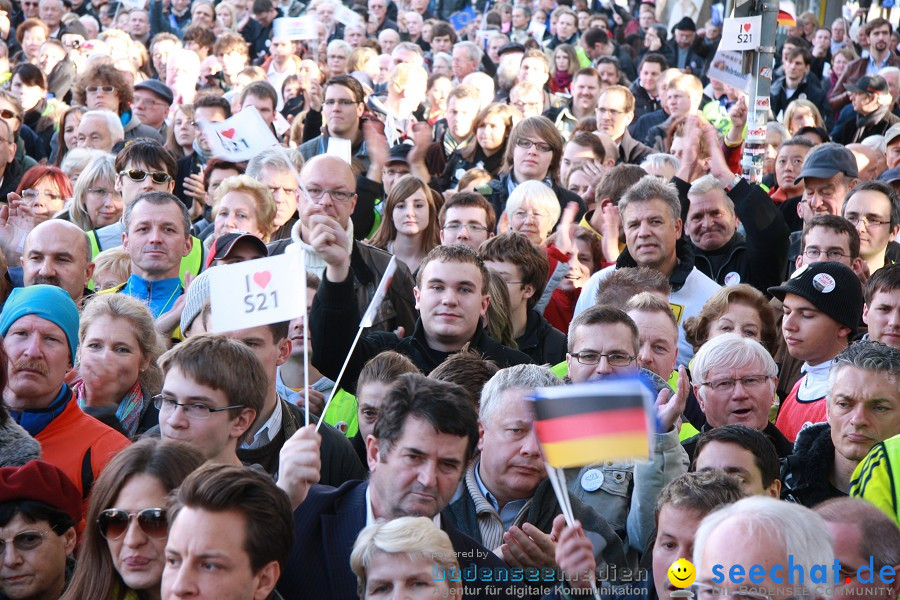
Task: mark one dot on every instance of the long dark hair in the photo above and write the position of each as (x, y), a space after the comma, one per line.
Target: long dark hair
(170, 463)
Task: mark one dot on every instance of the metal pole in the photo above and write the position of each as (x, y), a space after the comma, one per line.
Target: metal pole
(759, 65)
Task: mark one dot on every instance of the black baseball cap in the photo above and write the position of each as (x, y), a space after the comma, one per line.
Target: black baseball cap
(226, 243)
(399, 153)
(870, 84)
(890, 176)
(828, 160)
(832, 287)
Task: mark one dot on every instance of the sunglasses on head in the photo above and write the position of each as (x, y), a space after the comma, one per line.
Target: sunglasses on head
(113, 522)
(138, 175)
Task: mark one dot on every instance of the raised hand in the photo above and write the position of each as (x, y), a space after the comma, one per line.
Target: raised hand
(564, 230)
(528, 547)
(670, 406)
(575, 555)
(300, 464)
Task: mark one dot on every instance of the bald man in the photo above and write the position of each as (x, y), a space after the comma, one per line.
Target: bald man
(57, 252)
(331, 186)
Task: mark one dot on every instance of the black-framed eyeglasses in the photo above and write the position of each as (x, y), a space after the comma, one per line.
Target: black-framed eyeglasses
(106, 89)
(527, 144)
(113, 522)
(24, 541)
(192, 410)
(138, 175)
(615, 359)
(815, 253)
(726, 386)
(336, 195)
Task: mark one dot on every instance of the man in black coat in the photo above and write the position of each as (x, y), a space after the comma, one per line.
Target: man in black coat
(714, 205)
(425, 435)
(798, 84)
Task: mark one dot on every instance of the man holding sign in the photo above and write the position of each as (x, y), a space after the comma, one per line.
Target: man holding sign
(332, 190)
(451, 295)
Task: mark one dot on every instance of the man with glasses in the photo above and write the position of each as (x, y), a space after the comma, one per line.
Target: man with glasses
(615, 111)
(332, 198)
(39, 509)
(527, 98)
(39, 325)
(829, 172)
(862, 409)
(822, 307)
(874, 209)
(152, 100)
(736, 392)
(604, 341)
(144, 166)
(213, 391)
(468, 219)
(11, 170)
(342, 108)
(524, 268)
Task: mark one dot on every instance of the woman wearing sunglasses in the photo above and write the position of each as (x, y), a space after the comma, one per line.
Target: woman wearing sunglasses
(122, 554)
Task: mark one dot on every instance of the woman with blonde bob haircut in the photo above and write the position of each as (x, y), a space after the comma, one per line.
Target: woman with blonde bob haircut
(740, 309)
(532, 209)
(96, 203)
(243, 204)
(409, 551)
(802, 113)
(410, 227)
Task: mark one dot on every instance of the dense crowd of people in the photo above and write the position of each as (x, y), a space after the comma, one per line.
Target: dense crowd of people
(559, 185)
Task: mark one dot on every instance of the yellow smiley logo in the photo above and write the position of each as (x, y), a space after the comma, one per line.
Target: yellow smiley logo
(682, 573)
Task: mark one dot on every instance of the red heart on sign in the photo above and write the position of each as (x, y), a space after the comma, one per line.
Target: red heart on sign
(229, 133)
(262, 278)
(746, 26)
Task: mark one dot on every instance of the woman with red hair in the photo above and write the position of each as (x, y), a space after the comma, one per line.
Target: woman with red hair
(42, 193)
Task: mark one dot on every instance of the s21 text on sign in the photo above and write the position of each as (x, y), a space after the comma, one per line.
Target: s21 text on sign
(741, 33)
(257, 292)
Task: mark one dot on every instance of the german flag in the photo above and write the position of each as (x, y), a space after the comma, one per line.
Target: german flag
(585, 424)
(786, 19)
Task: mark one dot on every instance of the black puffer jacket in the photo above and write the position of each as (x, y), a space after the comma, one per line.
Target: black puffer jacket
(805, 474)
(758, 260)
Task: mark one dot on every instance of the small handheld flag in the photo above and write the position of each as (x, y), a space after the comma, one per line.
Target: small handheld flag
(593, 422)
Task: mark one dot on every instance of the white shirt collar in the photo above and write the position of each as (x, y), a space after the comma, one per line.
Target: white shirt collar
(269, 430)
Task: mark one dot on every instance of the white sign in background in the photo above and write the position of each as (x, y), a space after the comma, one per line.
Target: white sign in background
(257, 292)
(741, 34)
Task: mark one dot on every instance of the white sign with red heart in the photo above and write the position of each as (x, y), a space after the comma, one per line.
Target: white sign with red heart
(741, 33)
(257, 292)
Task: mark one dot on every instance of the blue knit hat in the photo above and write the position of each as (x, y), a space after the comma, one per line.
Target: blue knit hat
(48, 302)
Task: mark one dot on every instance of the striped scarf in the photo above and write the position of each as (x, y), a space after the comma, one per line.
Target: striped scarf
(131, 406)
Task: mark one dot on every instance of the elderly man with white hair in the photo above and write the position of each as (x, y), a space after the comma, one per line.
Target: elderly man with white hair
(734, 379)
(100, 130)
(770, 535)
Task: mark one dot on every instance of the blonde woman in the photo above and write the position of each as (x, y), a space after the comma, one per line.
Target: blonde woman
(802, 113)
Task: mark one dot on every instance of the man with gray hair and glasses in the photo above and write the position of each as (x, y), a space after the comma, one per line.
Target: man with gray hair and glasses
(507, 502)
(734, 380)
(772, 534)
(863, 408)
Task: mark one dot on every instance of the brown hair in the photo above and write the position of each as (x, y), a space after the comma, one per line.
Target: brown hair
(468, 369)
(536, 127)
(169, 463)
(625, 283)
(104, 74)
(516, 248)
(470, 200)
(405, 187)
(457, 253)
(497, 318)
(696, 329)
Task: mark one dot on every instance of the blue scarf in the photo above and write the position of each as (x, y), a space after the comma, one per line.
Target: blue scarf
(36, 420)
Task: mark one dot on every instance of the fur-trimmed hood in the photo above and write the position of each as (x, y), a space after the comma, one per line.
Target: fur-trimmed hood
(16, 446)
